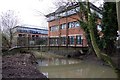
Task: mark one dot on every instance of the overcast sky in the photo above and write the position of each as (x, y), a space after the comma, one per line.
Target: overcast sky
(28, 11)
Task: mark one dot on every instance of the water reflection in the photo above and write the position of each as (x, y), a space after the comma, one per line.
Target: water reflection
(71, 68)
(56, 61)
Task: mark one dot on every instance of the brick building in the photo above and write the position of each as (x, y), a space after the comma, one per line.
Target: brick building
(26, 36)
(64, 28)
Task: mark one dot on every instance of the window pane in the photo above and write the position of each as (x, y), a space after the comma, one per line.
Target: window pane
(71, 39)
(51, 41)
(70, 25)
(77, 24)
(73, 24)
(56, 41)
(54, 28)
(78, 38)
(63, 40)
(63, 26)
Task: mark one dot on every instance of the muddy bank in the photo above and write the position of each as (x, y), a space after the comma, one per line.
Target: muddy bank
(88, 57)
(20, 66)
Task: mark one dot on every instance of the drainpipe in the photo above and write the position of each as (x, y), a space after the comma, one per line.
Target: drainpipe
(28, 41)
(59, 39)
(75, 42)
(48, 43)
(66, 29)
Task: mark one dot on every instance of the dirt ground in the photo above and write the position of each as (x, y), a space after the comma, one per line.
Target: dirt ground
(20, 66)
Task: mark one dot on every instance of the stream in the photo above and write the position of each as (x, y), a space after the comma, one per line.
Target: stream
(74, 68)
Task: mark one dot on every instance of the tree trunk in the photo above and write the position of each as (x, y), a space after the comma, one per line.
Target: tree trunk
(92, 37)
(118, 13)
(11, 37)
(118, 19)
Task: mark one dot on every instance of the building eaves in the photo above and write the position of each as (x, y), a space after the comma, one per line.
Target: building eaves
(95, 8)
(50, 14)
(63, 8)
(30, 28)
(60, 9)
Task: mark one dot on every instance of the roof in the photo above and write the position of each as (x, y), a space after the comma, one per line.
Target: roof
(62, 8)
(31, 28)
(37, 30)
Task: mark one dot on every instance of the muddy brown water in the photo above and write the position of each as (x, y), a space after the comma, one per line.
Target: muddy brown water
(74, 68)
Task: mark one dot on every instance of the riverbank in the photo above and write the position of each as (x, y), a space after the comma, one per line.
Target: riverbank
(20, 66)
(85, 57)
(85, 66)
(46, 55)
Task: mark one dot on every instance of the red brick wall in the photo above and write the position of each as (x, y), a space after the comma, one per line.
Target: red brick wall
(75, 31)
(61, 21)
(55, 33)
(71, 31)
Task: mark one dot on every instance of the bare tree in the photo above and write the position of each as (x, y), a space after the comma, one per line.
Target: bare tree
(8, 21)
